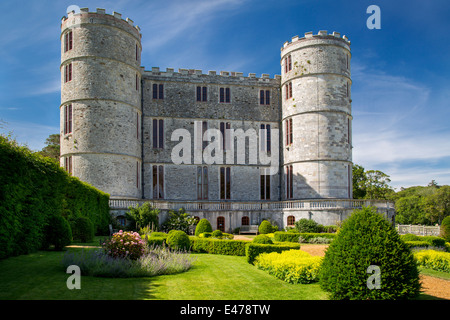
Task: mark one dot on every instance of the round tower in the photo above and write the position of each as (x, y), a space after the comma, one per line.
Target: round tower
(316, 116)
(100, 107)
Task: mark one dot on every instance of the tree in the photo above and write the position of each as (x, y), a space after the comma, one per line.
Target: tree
(371, 184)
(52, 148)
(359, 178)
(143, 216)
(437, 205)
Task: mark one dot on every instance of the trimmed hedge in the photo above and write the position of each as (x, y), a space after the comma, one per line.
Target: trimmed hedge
(252, 250)
(282, 236)
(32, 189)
(432, 240)
(218, 246)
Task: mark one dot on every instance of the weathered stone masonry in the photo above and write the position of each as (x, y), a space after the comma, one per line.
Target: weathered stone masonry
(114, 108)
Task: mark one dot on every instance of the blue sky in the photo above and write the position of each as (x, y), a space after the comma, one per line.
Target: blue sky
(400, 72)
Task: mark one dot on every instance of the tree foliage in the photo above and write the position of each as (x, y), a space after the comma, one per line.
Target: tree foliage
(370, 184)
(143, 216)
(52, 148)
(179, 220)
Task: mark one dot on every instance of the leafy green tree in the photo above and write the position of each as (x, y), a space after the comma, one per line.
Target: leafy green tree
(359, 178)
(371, 184)
(437, 205)
(410, 210)
(52, 148)
(143, 216)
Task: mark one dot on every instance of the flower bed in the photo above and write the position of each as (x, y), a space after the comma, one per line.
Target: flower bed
(293, 266)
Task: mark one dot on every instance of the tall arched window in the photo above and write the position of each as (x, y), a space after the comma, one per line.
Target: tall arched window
(221, 224)
(290, 220)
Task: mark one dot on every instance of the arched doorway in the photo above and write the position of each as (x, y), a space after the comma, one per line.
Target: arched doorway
(245, 221)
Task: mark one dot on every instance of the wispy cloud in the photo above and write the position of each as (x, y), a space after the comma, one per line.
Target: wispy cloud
(394, 127)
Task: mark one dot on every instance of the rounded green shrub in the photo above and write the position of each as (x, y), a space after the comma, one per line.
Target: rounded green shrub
(82, 229)
(265, 227)
(203, 226)
(307, 225)
(178, 240)
(57, 232)
(367, 241)
(262, 238)
(217, 234)
(445, 228)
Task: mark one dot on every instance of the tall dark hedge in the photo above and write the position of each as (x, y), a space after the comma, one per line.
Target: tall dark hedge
(32, 188)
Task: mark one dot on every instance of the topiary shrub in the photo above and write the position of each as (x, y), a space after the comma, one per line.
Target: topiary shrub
(203, 226)
(265, 227)
(217, 234)
(445, 229)
(57, 232)
(367, 239)
(82, 229)
(262, 238)
(178, 240)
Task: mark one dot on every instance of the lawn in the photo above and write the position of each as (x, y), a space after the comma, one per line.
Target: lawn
(213, 277)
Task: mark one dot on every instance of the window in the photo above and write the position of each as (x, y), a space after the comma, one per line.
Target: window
(121, 220)
(137, 82)
(225, 95)
(137, 126)
(264, 97)
(68, 164)
(289, 182)
(245, 221)
(348, 132)
(221, 224)
(288, 89)
(350, 178)
(287, 64)
(347, 61)
(202, 182)
(158, 182)
(289, 135)
(138, 174)
(265, 184)
(202, 94)
(158, 134)
(158, 91)
(68, 43)
(290, 220)
(68, 119)
(137, 52)
(68, 72)
(348, 90)
(225, 183)
(226, 143)
(265, 137)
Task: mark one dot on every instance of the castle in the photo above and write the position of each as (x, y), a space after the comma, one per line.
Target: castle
(231, 148)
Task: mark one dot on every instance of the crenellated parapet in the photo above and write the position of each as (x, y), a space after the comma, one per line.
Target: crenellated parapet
(93, 17)
(213, 76)
(322, 34)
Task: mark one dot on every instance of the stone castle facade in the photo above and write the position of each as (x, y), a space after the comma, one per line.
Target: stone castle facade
(122, 127)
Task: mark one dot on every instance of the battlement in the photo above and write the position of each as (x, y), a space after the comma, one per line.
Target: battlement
(321, 34)
(101, 11)
(183, 73)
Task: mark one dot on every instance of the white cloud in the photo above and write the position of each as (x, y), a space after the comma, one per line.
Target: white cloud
(394, 126)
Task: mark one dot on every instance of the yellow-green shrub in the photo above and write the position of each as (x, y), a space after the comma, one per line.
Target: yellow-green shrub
(293, 266)
(436, 260)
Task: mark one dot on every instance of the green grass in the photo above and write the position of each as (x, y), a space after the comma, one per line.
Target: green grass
(212, 277)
